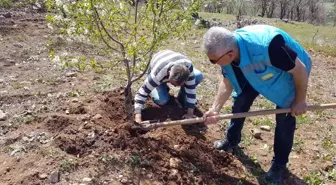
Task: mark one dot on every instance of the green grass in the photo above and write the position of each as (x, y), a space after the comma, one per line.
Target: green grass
(227, 17)
(318, 38)
(314, 178)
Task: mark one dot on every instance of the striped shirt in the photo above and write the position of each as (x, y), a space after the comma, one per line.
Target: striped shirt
(158, 73)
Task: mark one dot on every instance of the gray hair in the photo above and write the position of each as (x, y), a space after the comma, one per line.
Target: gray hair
(217, 39)
(179, 73)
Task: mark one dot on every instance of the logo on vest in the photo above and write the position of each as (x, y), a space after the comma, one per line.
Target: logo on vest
(268, 76)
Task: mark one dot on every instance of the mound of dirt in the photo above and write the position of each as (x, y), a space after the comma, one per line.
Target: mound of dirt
(173, 155)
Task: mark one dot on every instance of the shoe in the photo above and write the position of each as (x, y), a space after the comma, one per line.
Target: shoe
(224, 145)
(275, 173)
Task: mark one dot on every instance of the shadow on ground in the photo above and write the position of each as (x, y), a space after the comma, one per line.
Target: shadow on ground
(256, 170)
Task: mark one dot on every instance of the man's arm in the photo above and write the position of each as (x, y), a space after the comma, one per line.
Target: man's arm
(141, 96)
(190, 89)
(223, 94)
(300, 78)
(285, 58)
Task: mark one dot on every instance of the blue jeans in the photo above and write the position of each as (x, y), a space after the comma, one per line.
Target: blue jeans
(284, 131)
(160, 93)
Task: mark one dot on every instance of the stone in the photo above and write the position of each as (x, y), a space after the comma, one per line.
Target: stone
(2, 80)
(67, 112)
(86, 179)
(71, 74)
(174, 172)
(265, 127)
(256, 133)
(124, 180)
(54, 177)
(75, 100)
(97, 116)
(3, 116)
(174, 162)
(328, 166)
(7, 15)
(43, 176)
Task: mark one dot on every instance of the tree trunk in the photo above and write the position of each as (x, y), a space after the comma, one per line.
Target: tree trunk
(128, 102)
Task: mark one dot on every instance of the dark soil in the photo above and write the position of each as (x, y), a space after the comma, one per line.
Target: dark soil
(152, 150)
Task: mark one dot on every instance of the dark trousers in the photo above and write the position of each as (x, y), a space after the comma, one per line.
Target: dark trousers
(284, 131)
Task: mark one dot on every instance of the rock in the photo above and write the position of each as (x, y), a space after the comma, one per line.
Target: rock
(43, 176)
(256, 133)
(67, 112)
(71, 74)
(3, 116)
(18, 45)
(86, 179)
(176, 147)
(7, 15)
(334, 160)
(2, 80)
(265, 127)
(173, 172)
(54, 177)
(8, 169)
(10, 138)
(174, 162)
(26, 88)
(328, 166)
(75, 100)
(124, 180)
(97, 116)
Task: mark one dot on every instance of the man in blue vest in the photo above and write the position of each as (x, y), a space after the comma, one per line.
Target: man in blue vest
(263, 60)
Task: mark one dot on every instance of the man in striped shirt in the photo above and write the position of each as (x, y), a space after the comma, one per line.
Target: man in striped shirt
(169, 67)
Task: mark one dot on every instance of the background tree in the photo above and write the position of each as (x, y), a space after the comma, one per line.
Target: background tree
(128, 31)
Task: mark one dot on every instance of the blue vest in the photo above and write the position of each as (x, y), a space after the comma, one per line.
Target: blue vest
(274, 84)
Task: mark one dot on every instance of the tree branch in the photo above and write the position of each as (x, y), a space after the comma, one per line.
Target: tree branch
(104, 28)
(154, 29)
(135, 35)
(100, 31)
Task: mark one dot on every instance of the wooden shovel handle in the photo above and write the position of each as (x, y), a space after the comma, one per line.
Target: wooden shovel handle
(148, 126)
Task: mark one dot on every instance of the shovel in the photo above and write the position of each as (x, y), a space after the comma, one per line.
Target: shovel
(147, 125)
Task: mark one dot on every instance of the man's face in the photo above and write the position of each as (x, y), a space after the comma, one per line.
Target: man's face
(222, 60)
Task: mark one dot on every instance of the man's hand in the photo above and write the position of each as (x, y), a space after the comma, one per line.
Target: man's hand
(207, 118)
(138, 118)
(298, 107)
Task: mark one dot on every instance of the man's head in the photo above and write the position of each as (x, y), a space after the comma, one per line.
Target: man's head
(178, 74)
(220, 45)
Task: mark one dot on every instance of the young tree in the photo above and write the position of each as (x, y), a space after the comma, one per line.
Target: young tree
(128, 29)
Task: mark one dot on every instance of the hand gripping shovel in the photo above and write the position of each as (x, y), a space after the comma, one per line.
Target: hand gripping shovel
(147, 125)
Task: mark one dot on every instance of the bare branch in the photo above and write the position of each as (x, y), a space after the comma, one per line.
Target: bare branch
(151, 50)
(135, 35)
(103, 26)
(100, 31)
